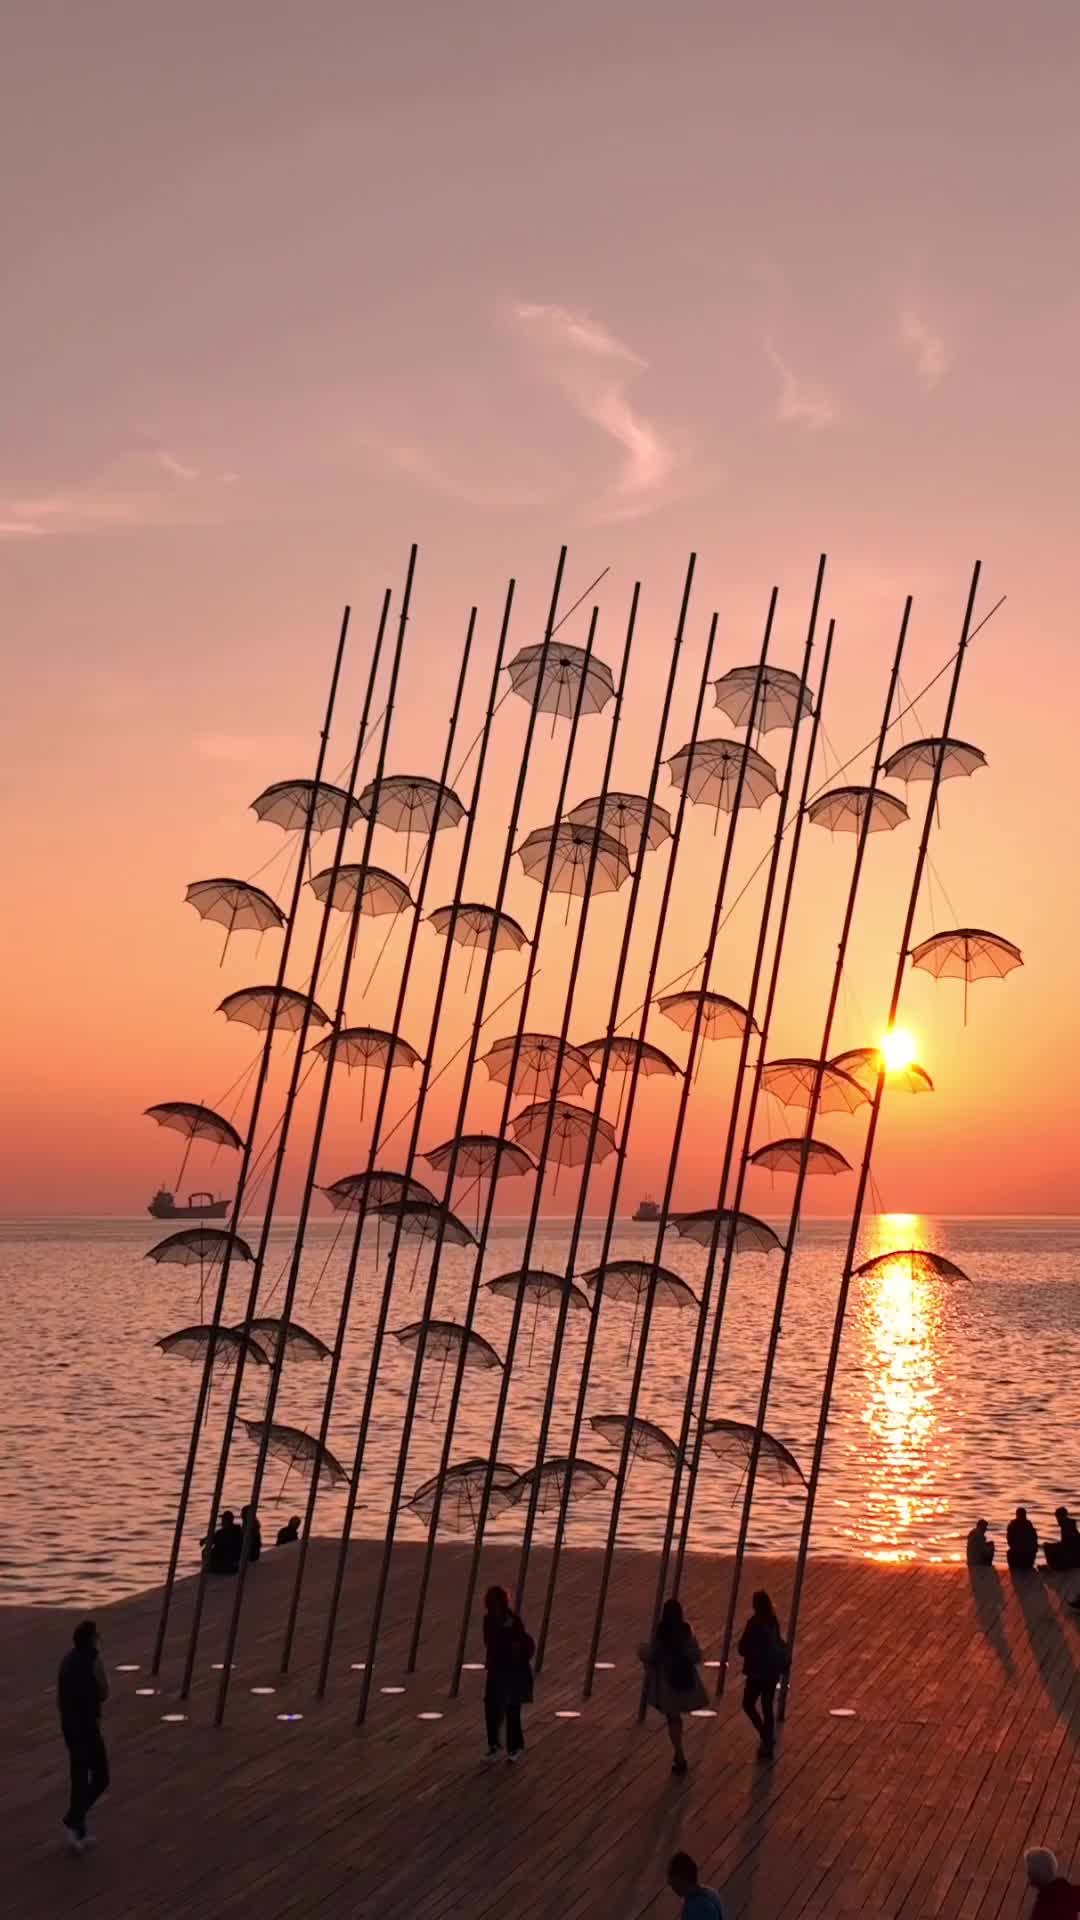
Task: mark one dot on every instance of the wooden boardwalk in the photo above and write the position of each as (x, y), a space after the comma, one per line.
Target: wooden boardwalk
(960, 1748)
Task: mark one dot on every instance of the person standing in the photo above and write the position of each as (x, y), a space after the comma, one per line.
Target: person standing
(698, 1902)
(1022, 1542)
(765, 1659)
(672, 1659)
(508, 1686)
(252, 1532)
(81, 1692)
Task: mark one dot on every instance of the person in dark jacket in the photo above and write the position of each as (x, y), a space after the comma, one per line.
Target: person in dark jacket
(289, 1534)
(764, 1658)
(672, 1661)
(980, 1548)
(1022, 1542)
(508, 1653)
(249, 1525)
(223, 1552)
(1055, 1898)
(1064, 1553)
(81, 1692)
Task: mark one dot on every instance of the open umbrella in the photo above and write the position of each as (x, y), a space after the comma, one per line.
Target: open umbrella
(708, 772)
(286, 1009)
(575, 866)
(751, 1235)
(721, 1019)
(779, 695)
(576, 1134)
(864, 1063)
(550, 1479)
(967, 953)
(357, 1192)
(444, 1339)
(843, 810)
(480, 1156)
(647, 1440)
(535, 1283)
(787, 1156)
(477, 927)
(235, 905)
(191, 1343)
(919, 1261)
(462, 1489)
(550, 679)
(792, 1082)
(423, 1220)
(627, 817)
(628, 1283)
(380, 892)
(367, 1047)
(288, 802)
(194, 1122)
(542, 1061)
(919, 758)
(411, 803)
(622, 1052)
(734, 1440)
(299, 1343)
(301, 1451)
(201, 1247)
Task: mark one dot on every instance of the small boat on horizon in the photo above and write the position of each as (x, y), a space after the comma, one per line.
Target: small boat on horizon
(646, 1210)
(200, 1206)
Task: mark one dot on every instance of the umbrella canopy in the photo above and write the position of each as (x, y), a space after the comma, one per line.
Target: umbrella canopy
(722, 1019)
(623, 1050)
(191, 1343)
(734, 1440)
(380, 892)
(709, 772)
(282, 1007)
(551, 680)
(864, 1063)
(967, 954)
(474, 925)
(575, 866)
(356, 1192)
(579, 1476)
(235, 905)
(368, 1047)
(919, 1261)
(411, 803)
(195, 1122)
(843, 810)
(576, 1133)
(792, 1082)
(779, 695)
(302, 1451)
(787, 1156)
(545, 1065)
(536, 1284)
(627, 817)
(427, 1220)
(751, 1235)
(919, 758)
(446, 1337)
(628, 1282)
(299, 1343)
(288, 802)
(199, 1247)
(462, 1493)
(480, 1156)
(647, 1440)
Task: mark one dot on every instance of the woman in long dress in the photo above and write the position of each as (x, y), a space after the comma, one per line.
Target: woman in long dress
(673, 1661)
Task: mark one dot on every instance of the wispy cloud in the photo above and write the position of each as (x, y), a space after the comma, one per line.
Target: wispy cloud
(923, 345)
(446, 473)
(593, 370)
(800, 402)
(139, 489)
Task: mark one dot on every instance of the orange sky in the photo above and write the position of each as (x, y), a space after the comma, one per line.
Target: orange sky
(251, 371)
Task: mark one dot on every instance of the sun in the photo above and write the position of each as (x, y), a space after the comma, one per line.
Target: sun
(898, 1049)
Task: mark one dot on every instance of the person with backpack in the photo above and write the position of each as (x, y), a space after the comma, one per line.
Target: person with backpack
(508, 1656)
(672, 1660)
(765, 1661)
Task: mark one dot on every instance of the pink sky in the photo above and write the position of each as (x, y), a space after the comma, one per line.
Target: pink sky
(286, 289)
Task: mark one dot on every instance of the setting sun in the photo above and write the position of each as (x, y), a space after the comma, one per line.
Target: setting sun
(898, 1049)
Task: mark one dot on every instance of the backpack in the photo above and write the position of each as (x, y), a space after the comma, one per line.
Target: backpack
(678, 1669)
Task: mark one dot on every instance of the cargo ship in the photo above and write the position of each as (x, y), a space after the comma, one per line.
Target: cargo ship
(200, 1206)
(646, 1210)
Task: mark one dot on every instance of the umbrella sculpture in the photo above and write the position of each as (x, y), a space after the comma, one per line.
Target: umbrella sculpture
(920, 1262)
(461, 1495)
(647, 1440)
(475, 926)
(255, 1007)
(864, 1064)
(967, 953)
(919, 758)
(201, 1247)
(627, 817)
(773, 695)
(288, 802)
(194, 1122)
(367, 1047)
(575, 1135)
(301, 1451)
(843, 810)
(542, 1288)
(191, 1343)
(792, 1082)
(426, 1220)
(235, 905)
(356, 1192)
(550, 1479)
(580, 858)
(380, 892)
(299, 1343)
(627, 1282)
(709, 772)
(721, 1019)
(444, 1338)
(480, 1156)
(541, 1061)
(411, 803)
(751, 1235)
(787, 1156)
(734, 1440)
(623, 1050)
(550, 679)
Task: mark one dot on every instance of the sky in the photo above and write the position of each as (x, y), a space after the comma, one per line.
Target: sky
(289, 288)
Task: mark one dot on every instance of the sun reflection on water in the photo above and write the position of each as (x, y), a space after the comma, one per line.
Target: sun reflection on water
(900, 1314)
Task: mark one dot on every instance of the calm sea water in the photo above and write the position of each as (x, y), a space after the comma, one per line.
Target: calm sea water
(952, 1400)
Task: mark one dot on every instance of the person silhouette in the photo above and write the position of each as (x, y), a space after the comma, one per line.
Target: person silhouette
(1022, 1542)
(980, 1549)
(81, 1692)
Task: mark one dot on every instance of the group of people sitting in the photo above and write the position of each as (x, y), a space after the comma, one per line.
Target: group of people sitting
(1022, 1544)
(224, 1550)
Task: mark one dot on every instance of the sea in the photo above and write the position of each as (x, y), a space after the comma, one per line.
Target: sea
(954, 1399)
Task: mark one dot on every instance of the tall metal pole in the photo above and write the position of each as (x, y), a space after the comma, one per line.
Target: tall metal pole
(429, 1298)
(380, 1113)
(871, 1131)
(676, 1147)
(418, 1113)
(339, 1022)
(252, 1126)
(540, 1172)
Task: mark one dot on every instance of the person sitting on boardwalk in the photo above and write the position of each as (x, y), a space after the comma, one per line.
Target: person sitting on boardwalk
(698, 1902)
(1022, 1542)
(765, 1660)
(980, 1549)
(1064, 1553)
(223, 1553)
(249, 1523)
(81, 1692)
(290, 1533)
(674, 1687)
(508, 1653)
(1055, 1898)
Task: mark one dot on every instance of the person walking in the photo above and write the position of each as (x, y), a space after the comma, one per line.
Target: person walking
(765, 1660)
(508, 1686)
(672, 1660)
(81, 1692)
